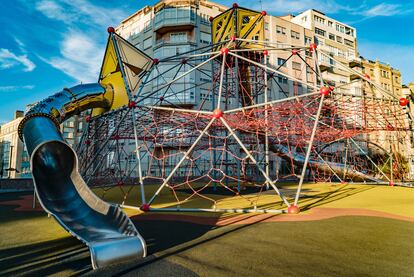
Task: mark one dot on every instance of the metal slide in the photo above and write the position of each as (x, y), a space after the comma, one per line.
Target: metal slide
(104, 228)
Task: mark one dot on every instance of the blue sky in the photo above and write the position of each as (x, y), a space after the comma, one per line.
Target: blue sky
(46, 45)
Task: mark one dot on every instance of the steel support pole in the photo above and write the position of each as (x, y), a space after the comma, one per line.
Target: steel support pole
(309, 150)
(346, 157)
(267, 158)
(391, 166)
(221, 81)
(133, 116)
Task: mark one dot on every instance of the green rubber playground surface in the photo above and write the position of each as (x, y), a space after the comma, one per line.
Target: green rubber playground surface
(344, 230)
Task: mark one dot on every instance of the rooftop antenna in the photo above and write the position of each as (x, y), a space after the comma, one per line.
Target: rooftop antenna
(261, 7)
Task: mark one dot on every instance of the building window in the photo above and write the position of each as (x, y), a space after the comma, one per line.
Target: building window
(266, 26)
(296, 66)
(295, 35)
(178, 37)
(319, 19)
(385, 74)
(282, 80)
(205, 19)
(320, 32)
(147, 43)
(281, 62)
(330, 23)
(304, 19)
(205, 38)
(349, 31)
(340, 28)
(331, 36)
(280, 30)
(308, 40)
(339, 39)
(349, 43)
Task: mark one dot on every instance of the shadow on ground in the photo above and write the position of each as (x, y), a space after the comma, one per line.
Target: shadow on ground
(45, 258)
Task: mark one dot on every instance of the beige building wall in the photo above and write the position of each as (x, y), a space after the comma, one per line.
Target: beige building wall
(390, 80)
(383, 74)
(284, 33)
(14, 161)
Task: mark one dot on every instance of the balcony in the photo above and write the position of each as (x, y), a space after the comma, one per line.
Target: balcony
(162, 42)
(324, 65)
(174, 19)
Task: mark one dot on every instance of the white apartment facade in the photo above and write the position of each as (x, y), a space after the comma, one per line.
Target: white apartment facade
(336, 39)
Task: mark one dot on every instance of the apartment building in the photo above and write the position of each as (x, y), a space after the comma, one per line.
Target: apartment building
(14, 160)
(167, 29)
(390, 81)
(336, 40)
(172, 27)
(383, 74)
(389, 78)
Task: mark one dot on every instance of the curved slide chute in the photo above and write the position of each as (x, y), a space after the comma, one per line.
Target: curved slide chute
(104, 228)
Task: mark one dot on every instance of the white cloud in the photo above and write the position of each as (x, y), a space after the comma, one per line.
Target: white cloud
(8, 60)
(53, 10)
(80, 58)
(75, 11)
(383, 9)
(81, 52)
(21, 45)
(15, 88)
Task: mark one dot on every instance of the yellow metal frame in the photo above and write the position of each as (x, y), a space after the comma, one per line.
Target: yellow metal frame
(240, 22)
(111, 75)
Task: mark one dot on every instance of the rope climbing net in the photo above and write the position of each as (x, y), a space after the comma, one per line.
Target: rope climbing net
(253, 126)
